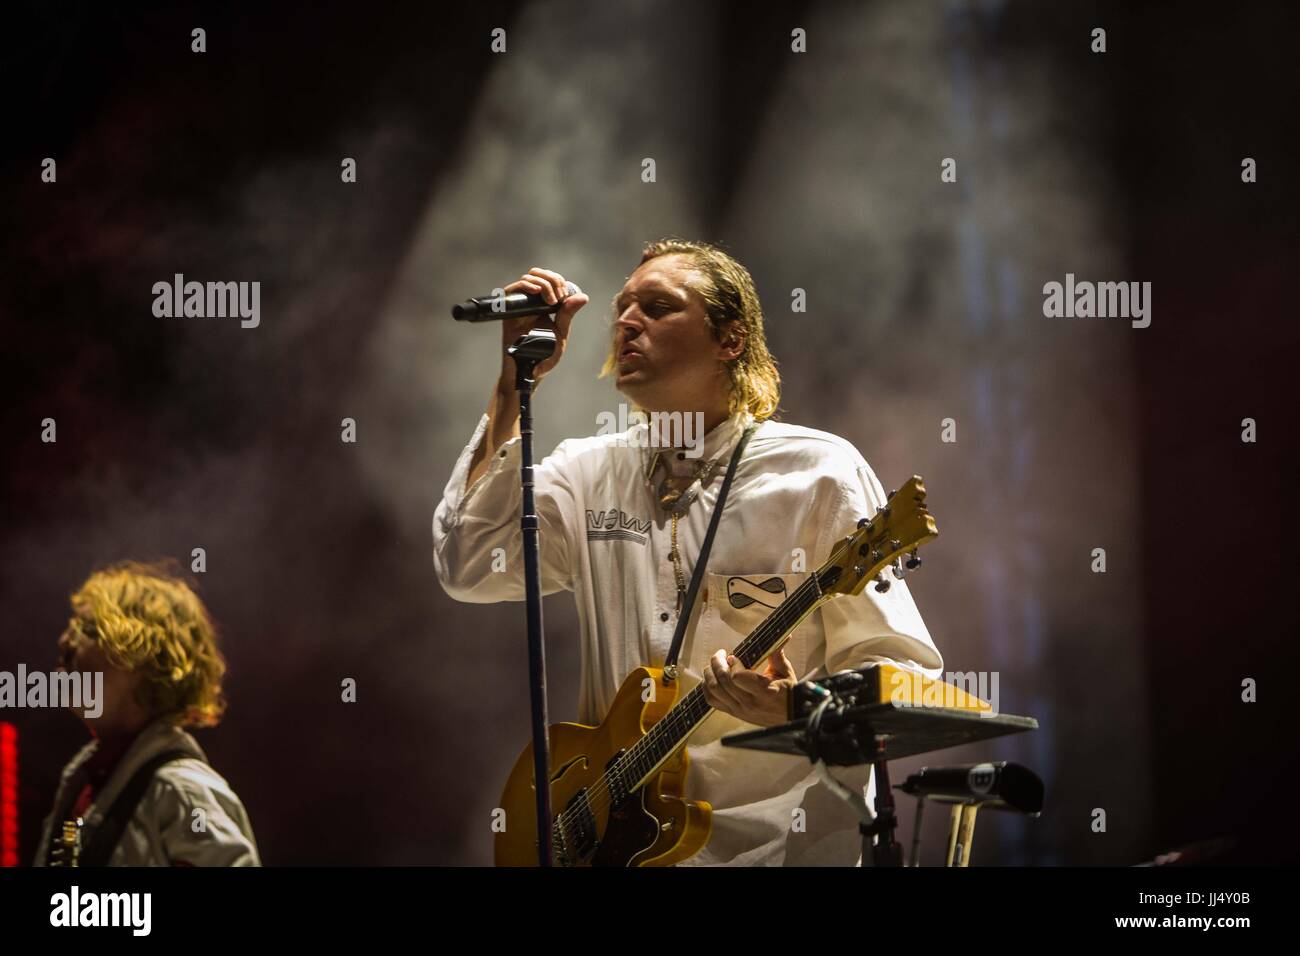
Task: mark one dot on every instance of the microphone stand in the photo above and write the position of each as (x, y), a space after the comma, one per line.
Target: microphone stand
(886, 851)
(528, 350)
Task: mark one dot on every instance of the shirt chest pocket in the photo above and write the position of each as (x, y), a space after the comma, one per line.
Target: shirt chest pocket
(737, 604)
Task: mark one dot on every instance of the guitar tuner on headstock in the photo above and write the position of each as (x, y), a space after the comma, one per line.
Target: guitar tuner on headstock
(884, 543)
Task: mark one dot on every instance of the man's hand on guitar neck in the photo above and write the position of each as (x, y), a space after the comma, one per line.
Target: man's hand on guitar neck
(758, 698)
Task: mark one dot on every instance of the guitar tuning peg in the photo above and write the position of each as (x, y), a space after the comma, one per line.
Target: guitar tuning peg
(913, 562)
(891, 494)
(882, 583)
(863, 522)
(897, 568)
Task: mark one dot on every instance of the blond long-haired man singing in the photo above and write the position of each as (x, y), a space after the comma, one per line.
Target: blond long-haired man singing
(622, 523)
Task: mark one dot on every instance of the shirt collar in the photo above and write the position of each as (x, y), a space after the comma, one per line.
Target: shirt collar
(723, 438)
(717, 443)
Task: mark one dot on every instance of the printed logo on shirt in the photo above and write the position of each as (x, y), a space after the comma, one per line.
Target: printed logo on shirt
(739, 601)
(742, 592)
(615, 524)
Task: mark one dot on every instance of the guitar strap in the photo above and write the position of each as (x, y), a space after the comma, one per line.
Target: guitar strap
(697, 575)
(105, 838)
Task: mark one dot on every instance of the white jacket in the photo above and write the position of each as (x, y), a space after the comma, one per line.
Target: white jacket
(605, 537)
(187, 815)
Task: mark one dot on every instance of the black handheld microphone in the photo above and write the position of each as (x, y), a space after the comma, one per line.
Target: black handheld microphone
(490, 308)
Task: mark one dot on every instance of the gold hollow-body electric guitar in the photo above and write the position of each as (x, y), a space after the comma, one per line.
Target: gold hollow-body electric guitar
(617, 789)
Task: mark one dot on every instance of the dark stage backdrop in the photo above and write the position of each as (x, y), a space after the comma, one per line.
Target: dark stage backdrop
(822, 171)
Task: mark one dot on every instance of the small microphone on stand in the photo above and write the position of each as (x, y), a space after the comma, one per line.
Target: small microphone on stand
(491, 308)
(998, 786)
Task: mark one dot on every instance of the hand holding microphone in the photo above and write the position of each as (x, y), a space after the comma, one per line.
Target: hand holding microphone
(553, 289)
(524, 304)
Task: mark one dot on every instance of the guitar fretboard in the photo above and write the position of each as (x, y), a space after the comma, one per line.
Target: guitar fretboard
(643, 759)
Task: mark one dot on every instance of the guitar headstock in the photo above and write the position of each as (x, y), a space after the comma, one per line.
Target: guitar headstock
(891, 537)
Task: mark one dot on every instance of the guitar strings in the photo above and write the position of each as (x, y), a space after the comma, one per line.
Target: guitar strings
(682, 717)
(686, 714)
(677, 719)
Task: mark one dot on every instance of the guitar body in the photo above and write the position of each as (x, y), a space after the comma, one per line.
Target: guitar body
(653, 826)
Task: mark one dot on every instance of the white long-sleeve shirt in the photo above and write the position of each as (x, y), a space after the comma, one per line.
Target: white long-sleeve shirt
(605, 537)
(165, 829)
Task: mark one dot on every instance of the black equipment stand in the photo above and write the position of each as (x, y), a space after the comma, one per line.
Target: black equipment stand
(528, 350)
(846, 720)
(887, 852)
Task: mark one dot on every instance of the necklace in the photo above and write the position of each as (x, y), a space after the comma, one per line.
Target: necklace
(676, 492)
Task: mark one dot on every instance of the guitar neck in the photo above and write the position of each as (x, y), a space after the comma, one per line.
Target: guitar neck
(666, 737)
